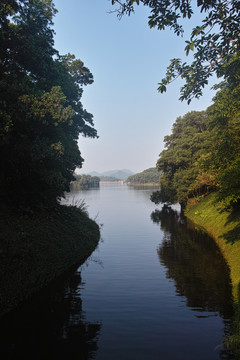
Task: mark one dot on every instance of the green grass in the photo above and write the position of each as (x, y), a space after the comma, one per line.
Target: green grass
(145, 184)
(36, 248)
(224, 227)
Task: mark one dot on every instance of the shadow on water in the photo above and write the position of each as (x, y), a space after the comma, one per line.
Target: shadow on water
(194, 262)
(51, 327)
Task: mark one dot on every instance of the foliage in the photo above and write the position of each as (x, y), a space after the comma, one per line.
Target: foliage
(212, 42)
(85, 182)
(202, 153)
(225, 130)
(179, 162)
(167, 194)
(109, 178)
(150, 176)
(41, 113)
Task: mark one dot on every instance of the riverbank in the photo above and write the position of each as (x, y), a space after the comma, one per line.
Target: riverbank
(143, 184)
(224, 227)
(36, 248)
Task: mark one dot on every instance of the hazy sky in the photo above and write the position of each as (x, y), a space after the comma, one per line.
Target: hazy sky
(127, 60)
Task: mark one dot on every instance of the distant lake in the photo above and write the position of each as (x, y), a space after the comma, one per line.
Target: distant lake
(154, 289)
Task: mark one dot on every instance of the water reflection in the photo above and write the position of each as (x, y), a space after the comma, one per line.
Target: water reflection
(195, 264)
(199, 271)
(54, 327)
(141, 317)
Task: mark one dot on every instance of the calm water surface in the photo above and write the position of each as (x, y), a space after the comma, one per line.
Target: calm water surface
(154, 289)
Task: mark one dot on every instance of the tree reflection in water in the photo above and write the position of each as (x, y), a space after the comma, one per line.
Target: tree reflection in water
(52, 327)
(195, 263)
(199, 271)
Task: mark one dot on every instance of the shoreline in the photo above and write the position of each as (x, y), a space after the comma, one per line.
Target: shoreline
(38, 248)
(145, 184)
(224, 227)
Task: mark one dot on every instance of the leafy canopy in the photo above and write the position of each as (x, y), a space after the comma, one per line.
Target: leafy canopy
(213, 42)
(224, 160)
(41, 114)
(202, 153)
(85, 182)
(179, 162)
(147, 176)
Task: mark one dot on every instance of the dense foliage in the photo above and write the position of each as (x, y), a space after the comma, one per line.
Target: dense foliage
(85, 182)
(109, 178)
(224, 126)
(213, 42)
(149, 176)
(41, 114)
(179, 161)
(202, 153)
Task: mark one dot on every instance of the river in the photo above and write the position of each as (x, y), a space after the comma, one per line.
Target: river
(154, 289)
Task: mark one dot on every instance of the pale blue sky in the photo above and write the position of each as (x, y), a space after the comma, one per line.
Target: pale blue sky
(127, 60)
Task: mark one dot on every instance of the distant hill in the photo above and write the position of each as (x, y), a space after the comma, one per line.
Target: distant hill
(94, 173)
(148, 176)
(117, 174)
(109, 178)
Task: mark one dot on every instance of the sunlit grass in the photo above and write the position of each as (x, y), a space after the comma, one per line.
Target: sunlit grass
(224, 227)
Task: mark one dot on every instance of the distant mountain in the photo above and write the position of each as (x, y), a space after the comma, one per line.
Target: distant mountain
(94, 173)
(117, 174)
(108, 178)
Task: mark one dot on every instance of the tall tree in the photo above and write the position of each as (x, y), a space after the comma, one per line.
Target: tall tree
(41, 113)
(213, 42)
(179, 162)
(224, 114)
(147, 176)
(202, 153)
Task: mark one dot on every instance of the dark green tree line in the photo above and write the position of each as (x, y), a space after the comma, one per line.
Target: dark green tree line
(179, 162)
(202, 153)
(85, 182)
(150, 175)
(224, 126)
(41, 114)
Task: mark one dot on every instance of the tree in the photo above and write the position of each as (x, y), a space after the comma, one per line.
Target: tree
(224, 114)
(84, 182)
(213, 42)
(179, 162)
(167, 194)
(202, 153)
(41, 113)
(147, 176)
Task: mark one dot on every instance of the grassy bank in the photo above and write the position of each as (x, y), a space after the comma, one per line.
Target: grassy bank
(143, 185)
(224, 227)
(35, 248)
